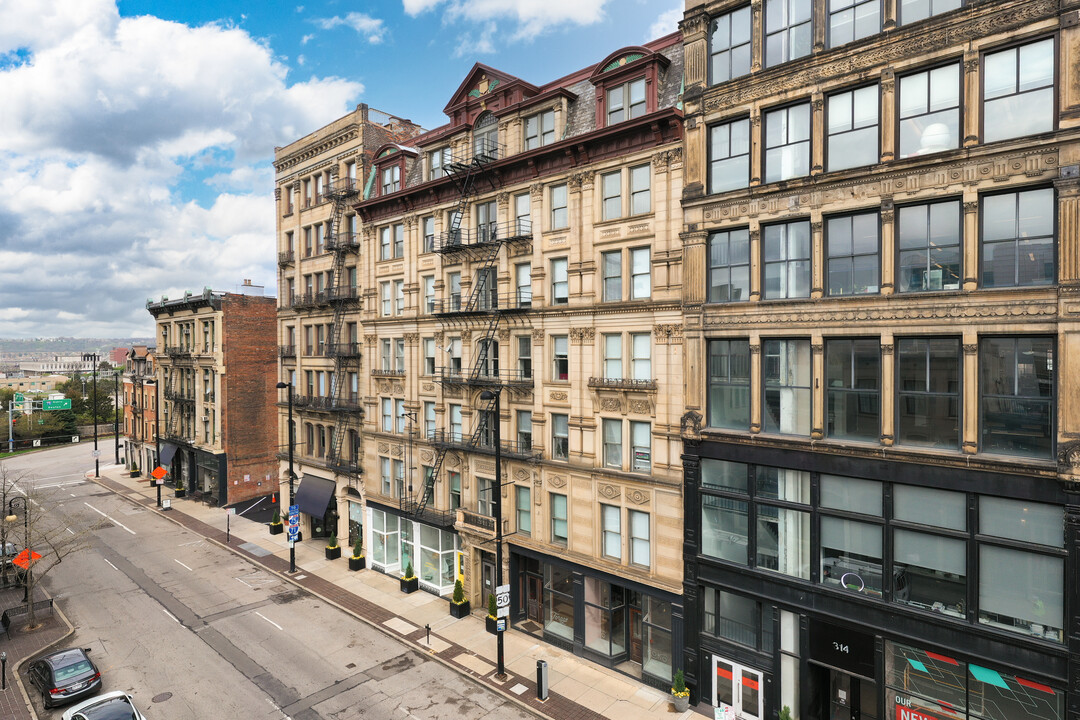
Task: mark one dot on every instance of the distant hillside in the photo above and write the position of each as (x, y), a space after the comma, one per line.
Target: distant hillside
(67, 345)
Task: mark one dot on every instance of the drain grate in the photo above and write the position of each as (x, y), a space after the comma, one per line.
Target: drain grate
(162, 697)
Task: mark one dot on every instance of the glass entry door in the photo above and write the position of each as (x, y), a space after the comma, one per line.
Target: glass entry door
(851, 698)
(738, 687)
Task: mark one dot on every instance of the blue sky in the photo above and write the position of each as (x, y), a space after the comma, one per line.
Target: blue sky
(137, 135)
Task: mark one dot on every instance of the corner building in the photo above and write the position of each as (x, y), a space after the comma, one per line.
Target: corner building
(519, 285)
(881, 343)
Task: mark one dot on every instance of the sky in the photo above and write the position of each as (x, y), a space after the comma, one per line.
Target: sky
(137, 136)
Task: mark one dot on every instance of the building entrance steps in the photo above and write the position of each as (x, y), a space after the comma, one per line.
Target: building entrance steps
(579, 689)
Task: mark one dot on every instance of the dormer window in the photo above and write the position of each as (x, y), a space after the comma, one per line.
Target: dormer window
(486, 135)
(626, 101)
(540, 130)
(391, 179)
(437, 162)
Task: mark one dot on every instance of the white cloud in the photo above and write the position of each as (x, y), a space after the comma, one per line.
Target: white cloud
(373, 29)
(110, 127)
(532, 17)
(482, 45)
(306, 39)
(666, 23)
(415, 7)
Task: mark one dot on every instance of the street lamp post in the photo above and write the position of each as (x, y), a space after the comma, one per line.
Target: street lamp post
(116, 413)
(97, 460)
(157, 435)
(15, 503)
(292, 444)
(496, 395)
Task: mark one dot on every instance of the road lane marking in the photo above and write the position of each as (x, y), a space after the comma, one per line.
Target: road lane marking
(112, 566)
(170, 614)
(114, 522)
(269, 621)
(56, 485)
(194, 542)
(70, 530)
(182, 565)
(57, 477)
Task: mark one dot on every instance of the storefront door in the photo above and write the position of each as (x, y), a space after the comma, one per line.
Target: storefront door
(850, 697)
(534, 599)
(635, 634)
(487, 575)
(738, 687)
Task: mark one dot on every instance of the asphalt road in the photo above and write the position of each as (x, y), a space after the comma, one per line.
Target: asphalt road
(195, 632)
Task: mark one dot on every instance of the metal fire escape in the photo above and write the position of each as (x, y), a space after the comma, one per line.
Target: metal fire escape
(481, 246)
(343, 296)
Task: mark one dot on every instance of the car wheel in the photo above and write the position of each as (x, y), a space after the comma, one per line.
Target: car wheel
(45, 703)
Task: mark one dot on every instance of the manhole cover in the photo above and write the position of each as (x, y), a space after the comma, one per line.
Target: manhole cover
(162, 697)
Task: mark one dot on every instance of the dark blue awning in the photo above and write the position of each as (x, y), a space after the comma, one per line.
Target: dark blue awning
(314, 495)
(168, 450)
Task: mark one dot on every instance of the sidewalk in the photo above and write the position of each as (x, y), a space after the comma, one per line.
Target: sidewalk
(20, 645)
(578, 689)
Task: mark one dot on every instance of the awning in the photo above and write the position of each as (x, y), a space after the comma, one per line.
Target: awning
(168, 450)
(314, 495)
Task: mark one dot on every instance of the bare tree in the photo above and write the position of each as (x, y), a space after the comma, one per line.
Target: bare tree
(37, 518)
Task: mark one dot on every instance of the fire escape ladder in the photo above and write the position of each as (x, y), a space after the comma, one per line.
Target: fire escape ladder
(427, 487)
(484, 295)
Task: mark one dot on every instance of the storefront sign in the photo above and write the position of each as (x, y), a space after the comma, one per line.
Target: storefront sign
(842, 648)
(903, 713)
(724, 712)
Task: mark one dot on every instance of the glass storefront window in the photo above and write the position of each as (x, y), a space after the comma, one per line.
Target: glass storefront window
(930, 572)
(851, 494)
(929, 506)
(406, 545)
(559, 602)
(1022, 520)
(775, 483)
(851, 555)
(656, 658)
(1022, 591)
(783, 541)
(724, 529)
(724, 475)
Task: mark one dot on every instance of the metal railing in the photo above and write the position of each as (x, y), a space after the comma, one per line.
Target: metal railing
(516, 301)
(286, 351)
(287, 257)
(476, 520)
(622, 383)
(485, 234)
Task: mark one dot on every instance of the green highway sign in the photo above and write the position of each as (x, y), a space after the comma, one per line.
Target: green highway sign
(64, 404)
(19, 397)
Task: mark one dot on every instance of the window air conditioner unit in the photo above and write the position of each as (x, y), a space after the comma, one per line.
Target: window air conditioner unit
(205, 418)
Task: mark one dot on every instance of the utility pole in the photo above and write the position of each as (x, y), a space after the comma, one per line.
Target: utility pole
(116, 413)
(93, 390)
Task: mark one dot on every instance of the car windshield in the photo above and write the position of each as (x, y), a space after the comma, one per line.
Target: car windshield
(75, 669)
(112, 709)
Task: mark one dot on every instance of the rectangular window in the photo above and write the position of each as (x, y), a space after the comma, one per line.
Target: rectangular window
(387, 414)
(455, 423)
(454, 351)
(851, 20)
(391, 179)
(787, 142)
(612, 433)
(611, 267)
(399, 355)
(853, 389)
(640, 274)
(485, 497)
(729, 155)
(454, 285)
(910, 11)
(561, 356)
(455, 489)
(429, 234)
(729, 46)
(1016, 388)
(384, 243)
(729, 266)
(626, 101)
(729, 384)
(786, 372)
(559, 217)
(384, 355)
(611, 531)
(788, 32)
(399, 417)
(560, 437)
(523, 284)
(384, 476)
(640, 446)
(783, 540)
(399, 241)
(611, 185)
(524, 357)
(787, 260)
(851, 555)
(929, 109)
(429, 419)
(399, 478)
(852, 266)
(428, 282)
(928, 244)
(429, 355)
(640, 189)
(560, 286)
(559, 529)
(640, 551)
(437, 162)
(523, 509)
(524, 430)
(613, 363)
(852, 128)
(1017, 244)
(399, 297)
(540, 130)
(487, 217)
(725, 533)
(641, 356)
(928, 392)
(1018, 87)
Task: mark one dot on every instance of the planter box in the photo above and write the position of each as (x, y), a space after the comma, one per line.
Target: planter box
(492, 624)
(459, 611)
(333, 553)
(277, 528)
(135, 473)
(681, 702)
(357, 563)
(180, 492)
(410, 586)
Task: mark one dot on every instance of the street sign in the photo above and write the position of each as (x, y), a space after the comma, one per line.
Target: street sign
(74, 438)
(26, 557)
(37, 443)
(294, 523)
(19, 397)
(158, 472)
(502, 612)
(64, 404)
(166, 503)
(502, 596)
(96, 453)
(502, 626)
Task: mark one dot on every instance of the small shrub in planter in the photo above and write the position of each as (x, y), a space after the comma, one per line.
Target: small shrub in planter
(409, 582)
(357, 561)
(276, 526)
(180, 491)
(333, 550)
(491, 622)
(459, 605)
(785, 714)
(679, 694)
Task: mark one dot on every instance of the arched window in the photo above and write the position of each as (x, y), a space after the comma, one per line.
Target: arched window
(486, 135)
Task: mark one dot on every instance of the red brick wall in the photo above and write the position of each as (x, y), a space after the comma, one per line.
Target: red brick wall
(248, 395)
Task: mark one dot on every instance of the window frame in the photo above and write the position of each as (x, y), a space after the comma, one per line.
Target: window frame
(829, 13)
(714, 161)
(540, 134)
(786, 262)
(1017, 191)
(900, 10)
(785, 30)
(627, 107)
(730, 49)
(899, 251)
(829, 135)
(560, 267)
(556, 436)
(1055, 86)
(559, 220)
(960, 106)
(1052, 401)
(902, 395)
(830, 258)
(711, 268)
(786, 108)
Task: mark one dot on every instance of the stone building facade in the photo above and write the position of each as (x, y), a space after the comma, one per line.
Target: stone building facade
(881, 260)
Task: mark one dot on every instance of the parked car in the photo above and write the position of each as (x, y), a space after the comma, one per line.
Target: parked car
(65, 676)
(115, 705)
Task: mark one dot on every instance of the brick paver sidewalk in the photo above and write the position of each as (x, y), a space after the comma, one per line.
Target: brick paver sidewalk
(21, 644)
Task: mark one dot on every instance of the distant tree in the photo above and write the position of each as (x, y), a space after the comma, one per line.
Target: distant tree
(6, 396)
(38, 424)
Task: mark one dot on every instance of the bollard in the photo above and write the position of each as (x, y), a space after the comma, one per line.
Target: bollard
(3, 671)
(541, 680)
(428, 628)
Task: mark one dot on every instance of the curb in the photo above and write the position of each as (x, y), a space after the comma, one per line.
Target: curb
(478, 680)
(19, 663)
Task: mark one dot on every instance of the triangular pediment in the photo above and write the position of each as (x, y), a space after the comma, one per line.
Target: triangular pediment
(483, 84)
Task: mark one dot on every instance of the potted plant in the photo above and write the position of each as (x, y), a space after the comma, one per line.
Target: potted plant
(180, 492)
(491, 621)
(357, 561)
(459, 604)
(785, 714)
(333, 550)
(409, 582)
(276, 526)
(134, 470)
(679, 694)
